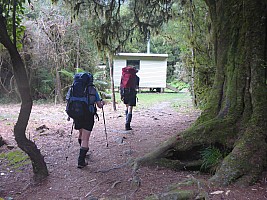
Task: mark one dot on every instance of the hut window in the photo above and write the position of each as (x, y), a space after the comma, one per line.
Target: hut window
(134, 63)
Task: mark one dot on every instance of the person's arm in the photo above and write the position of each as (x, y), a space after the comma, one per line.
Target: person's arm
(137, 82)
(68, 94)
(99, 102)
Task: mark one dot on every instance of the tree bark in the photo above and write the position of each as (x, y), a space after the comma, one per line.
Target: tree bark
(111, 69)
(235, 117)
(240, 55)
(38, 163)
(58, 88)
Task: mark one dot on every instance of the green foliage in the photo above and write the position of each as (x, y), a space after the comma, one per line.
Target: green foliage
(46, 83)
(176, 39)
(179, 84)
(105, 27)
(192, 28)
(59, 48)
(211, 158)
(167, 40)
(15, 159)
(6, 10)
(67, 73)
(7, 100)
(99, 81)
(112, 23)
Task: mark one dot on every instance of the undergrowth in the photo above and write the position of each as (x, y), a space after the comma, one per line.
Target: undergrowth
(211, 158)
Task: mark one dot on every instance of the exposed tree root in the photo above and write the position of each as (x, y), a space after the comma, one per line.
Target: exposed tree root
(2, 141)
(246, 162)
(184, 148)
(90, 192)
(243, 163)
(116, 167)
(181, 190)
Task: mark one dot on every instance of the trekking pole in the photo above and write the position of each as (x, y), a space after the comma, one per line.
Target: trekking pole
(105, 126)
(68, 150)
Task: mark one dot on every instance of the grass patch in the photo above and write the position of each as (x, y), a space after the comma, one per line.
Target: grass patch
(146, 100)
(15, 159)
(184, 102)
(150, 99)
(7, 116)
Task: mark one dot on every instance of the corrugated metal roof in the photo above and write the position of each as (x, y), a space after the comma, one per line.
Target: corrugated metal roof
(142, 55)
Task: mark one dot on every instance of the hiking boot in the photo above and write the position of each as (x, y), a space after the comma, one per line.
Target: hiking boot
(80, 143)
(82, 165)
(128, 122)
(87, 156)
(81, 159)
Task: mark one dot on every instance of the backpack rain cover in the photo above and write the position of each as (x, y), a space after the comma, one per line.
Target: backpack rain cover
(128, 78)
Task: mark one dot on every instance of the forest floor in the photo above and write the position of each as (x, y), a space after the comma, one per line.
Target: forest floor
(107, 176)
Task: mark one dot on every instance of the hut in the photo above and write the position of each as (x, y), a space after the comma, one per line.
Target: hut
(152, 68)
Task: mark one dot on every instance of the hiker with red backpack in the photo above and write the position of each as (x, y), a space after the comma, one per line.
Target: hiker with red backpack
(82, 99)
(129, 85)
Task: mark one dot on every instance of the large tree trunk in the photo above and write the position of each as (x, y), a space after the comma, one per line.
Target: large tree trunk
(240, 29)
(39, 166)
(235, 119)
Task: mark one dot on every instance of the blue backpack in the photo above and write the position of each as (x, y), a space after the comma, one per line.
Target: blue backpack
(81, 96)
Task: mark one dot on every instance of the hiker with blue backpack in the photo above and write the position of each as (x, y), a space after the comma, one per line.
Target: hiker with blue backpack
(128, 90)
(82, 99)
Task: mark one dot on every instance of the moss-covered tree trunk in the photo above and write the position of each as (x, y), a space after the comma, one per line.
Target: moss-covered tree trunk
(38, 163)
(240, 92)
(236, 117)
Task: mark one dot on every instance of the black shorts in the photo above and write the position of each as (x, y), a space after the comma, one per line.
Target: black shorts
(86, 122)
(128, 96)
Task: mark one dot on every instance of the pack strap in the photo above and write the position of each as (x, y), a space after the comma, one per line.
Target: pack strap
(128, 90)
(84, 99)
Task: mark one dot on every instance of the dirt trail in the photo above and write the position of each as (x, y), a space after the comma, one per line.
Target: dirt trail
(106, 176)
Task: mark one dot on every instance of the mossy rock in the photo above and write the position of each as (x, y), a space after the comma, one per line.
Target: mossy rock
(175, 195)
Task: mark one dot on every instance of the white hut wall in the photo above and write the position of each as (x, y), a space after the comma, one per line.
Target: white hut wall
(152, 72)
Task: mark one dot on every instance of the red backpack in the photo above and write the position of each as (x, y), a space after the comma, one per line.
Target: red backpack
(128, 78)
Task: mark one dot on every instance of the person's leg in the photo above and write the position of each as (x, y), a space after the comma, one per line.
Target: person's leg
(84, 148)
(126, 109)
(78, 126)
(80, 137)
(85, 138)
(131, 104)
(129, 118)
(126, 102)
(130, 109)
